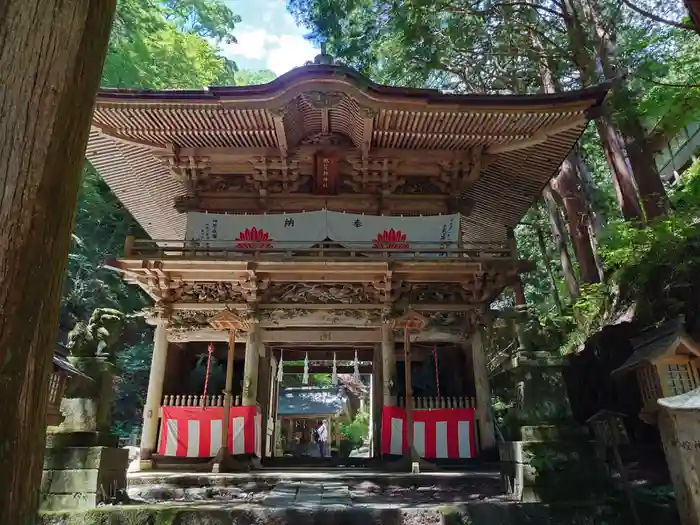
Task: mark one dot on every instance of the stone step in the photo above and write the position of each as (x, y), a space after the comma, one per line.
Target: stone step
(477, 513)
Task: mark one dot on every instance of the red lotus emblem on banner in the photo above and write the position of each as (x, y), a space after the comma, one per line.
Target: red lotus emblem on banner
(254, 239)
(391, 239)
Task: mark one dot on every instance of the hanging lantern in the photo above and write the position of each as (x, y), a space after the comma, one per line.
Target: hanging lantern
(305, 379)
(334, 375)
(280, 367)
(356, 372)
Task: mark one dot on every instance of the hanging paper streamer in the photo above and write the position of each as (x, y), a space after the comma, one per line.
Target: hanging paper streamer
(334, 375)
(356, 373)
(280, 367)
(305, 379)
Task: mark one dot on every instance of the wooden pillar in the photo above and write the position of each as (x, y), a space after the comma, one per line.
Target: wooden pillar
(410, 323)
(154, 397)
(250, 367)
(232, 323)
(408, 395)
(228, 400)
(376, 400)
(487, 434)
(388, 352)
(266, 387)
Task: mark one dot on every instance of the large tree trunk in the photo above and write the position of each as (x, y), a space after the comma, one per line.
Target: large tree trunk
(548, 268)
(623, 178)
(595, 221)
(51, 55)
(569, 188)
(559, 237)
(694, 12)
(651, 190)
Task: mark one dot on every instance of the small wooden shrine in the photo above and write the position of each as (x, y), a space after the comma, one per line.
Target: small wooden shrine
(666, 361)
(319, 209)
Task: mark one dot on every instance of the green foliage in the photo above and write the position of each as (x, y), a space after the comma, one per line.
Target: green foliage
(246, 77)
(355, 433)
(165, 45)
(297, 379)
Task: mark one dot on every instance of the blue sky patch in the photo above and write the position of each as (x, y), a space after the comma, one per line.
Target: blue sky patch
(268, 37)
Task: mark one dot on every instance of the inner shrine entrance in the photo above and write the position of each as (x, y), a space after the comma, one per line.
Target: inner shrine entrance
(298, 386)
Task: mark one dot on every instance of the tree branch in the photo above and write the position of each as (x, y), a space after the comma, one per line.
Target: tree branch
(656, 18)
(506, 4)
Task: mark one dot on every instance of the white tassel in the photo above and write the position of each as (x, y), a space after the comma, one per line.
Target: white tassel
(305, 379)
(356, 373)
(334, 375)
(280, 367)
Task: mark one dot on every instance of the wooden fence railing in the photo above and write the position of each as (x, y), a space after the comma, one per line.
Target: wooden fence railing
(427, 403)
(233, 250)
(198, 401)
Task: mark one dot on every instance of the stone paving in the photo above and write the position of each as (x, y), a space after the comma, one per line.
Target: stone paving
(294, 494)
(354, 489)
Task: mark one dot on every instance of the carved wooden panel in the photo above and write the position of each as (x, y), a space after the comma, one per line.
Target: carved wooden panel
(326, 173)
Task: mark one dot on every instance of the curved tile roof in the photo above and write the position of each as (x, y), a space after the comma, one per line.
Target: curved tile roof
(527, 137)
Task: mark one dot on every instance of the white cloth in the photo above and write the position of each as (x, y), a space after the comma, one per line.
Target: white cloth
(302, 230)
(323, 432)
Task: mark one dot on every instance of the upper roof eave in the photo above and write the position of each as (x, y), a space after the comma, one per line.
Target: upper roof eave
(344, 75)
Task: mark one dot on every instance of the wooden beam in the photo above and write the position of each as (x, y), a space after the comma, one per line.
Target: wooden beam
(367, 128)
(280, 133)
(537, 138)
(226, 202)
(217, 155)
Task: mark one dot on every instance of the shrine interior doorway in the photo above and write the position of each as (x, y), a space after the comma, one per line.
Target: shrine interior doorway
(315, 384)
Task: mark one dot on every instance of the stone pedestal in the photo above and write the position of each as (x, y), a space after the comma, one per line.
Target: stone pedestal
(546, 455)
(82, 477)
(82, 464)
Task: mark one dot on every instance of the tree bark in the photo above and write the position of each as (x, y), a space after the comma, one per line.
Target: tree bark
(623, 178)
(548, 268)
(651, 190)
(569, 188)
(694, 12)
(559, 236)
(595, 222)
(51, 57)
(566, 181)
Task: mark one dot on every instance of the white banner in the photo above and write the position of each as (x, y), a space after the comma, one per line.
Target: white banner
(296, 230)
(302, 230)
(392, 232)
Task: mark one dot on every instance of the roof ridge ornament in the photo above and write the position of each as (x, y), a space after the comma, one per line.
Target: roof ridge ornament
(323, 58)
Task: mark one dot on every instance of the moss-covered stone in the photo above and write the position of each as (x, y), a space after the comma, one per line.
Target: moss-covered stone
(80, 439)
(552, 470)
(85, 458)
